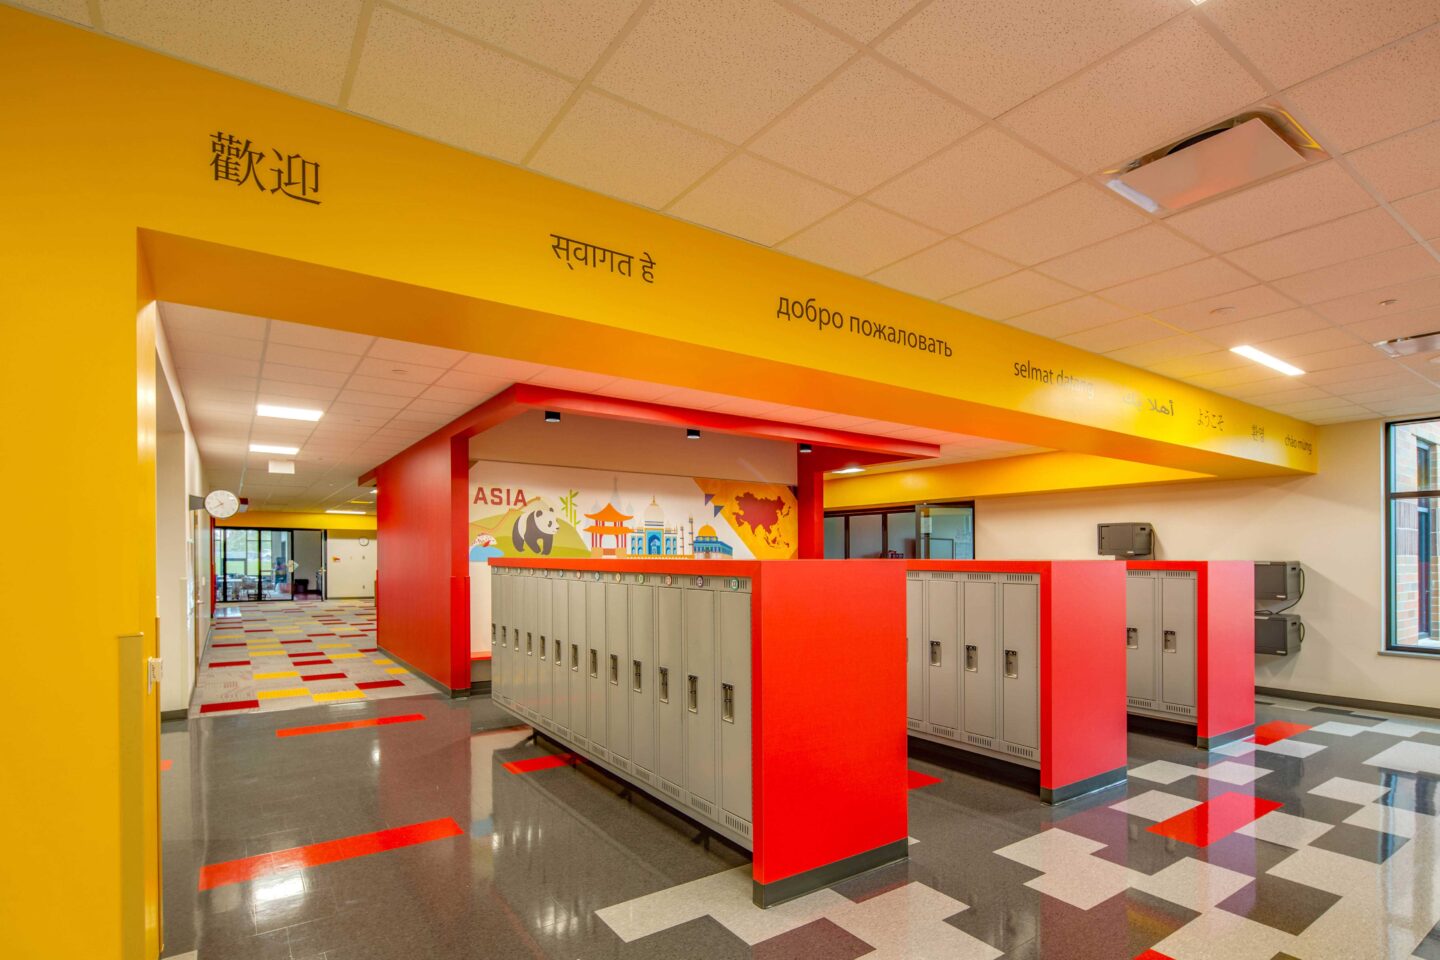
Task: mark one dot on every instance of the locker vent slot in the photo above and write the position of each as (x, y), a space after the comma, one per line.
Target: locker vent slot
(1178, 574)
(738, 825)
(1176, 708)
(544, 722)
(563, 731)
(601, 752)
(1026, 752)
(620, 764)
(1019, 578)
(943, 731)
(1137, 573)
(1140, 702)
(913, 575)
(915, 724)
(674, 791)
(582, 742)
(985, 742)
(702, 806)
(641, 775)
(942, 576)
(977, 576)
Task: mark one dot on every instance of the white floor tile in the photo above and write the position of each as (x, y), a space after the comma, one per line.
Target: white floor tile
(1410, 757)
(1229, 771)
(1351, 791)
(1155, 805)
(1221, 935)
(1193, 883)
(1285, 829)
(1338, 728)
(1162, 771)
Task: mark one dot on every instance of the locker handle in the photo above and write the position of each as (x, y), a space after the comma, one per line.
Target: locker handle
(664, 684)
(692, 695)
(636, 670)
(559, 653)
(575, 657)
(934, 653)
(615, 668)
(972, 658)
(727, 702)
(1172, 644)
(1012, 664)
(1132, 638)
(594, 664)
(529, 644)
(542, 646)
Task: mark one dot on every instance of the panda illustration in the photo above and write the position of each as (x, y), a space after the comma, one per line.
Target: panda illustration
(535, 529)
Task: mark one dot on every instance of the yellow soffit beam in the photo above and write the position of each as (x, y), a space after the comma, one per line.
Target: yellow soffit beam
(1007, 476)
(518, 246)
(282, 520)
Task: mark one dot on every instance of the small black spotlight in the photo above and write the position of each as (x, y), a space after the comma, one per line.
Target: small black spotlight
(552, 416)
(692, 434)
(804, 448)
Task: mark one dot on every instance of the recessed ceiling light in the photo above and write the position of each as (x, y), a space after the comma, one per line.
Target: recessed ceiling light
(355, 513)
(374, 489)
(849, 470)
(272, 448)
(1263, 358)
(552, 416)
(282, 466)
(804, 448)
(692, 434)
(288, 413)
(1133, 195)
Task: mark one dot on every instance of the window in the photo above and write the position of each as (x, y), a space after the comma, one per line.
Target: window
(924, 531)
(1413, 573)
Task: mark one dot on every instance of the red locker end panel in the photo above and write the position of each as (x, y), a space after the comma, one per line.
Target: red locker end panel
(1227, 653)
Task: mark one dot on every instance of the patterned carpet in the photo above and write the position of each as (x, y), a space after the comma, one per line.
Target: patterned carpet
(283, 655)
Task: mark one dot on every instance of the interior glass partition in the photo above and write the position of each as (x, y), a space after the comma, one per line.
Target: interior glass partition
(252, 565)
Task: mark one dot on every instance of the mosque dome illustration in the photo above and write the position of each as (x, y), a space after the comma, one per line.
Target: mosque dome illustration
(709, 546)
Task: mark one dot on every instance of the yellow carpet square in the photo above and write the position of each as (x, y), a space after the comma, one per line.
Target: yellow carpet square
(338, 695)
(381, 661)
(277, 694)
(397, 670)
(280, 675)
(346, 656)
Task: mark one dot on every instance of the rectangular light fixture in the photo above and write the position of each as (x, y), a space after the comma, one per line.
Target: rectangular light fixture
(282, 466)
(274, 448)
(1133, 195)
(353, 513)
(849, 470)
(287, 413)
(1263, 358)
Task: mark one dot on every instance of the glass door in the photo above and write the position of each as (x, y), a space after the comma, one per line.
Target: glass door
(275, 568)
(252, 565)
(946, 533)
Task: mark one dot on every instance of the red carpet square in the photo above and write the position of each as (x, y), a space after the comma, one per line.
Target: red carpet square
(231, 705)
(1277, 730)
(1215, 819)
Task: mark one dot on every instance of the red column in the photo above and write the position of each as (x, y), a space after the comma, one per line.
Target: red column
(810, 497)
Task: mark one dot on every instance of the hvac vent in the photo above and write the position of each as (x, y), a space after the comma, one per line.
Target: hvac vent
(738, 825)
(985, 742)
(1228, 156)
(943, 731)
(702, 806)
(1138, 702)
(1410, 346)
(1026, 752)
(1176, 708)
(671, 789)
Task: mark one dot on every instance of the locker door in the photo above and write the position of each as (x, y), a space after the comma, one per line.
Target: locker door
(576, 652)
(978, 657)
(639, 677)
(915, 649)
(530, 698)
(497, 620)
(504, 659)
(942, 674)
(669, 685)
(1177, 641)
(594, 665)
(1141, 638)
(559, 640)
(544, 610)
(698, 694)
(1020, 664)
(734, 702)
(515, 671)
(616, 666)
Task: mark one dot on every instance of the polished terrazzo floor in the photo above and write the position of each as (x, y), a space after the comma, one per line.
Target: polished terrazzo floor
(421, 827)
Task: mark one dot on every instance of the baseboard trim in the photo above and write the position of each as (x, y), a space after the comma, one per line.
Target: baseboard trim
(780, 891)
(167, 715)
(1229, 736)
(1079, 788)
(439, 687)
(1386, 705)
(480, 687)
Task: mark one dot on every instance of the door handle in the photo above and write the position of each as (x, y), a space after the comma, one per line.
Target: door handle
(615, 668)
(727, 702)
(636, 670)
(1172, 644)
(542, 646)
(559, 652)
(1132, 638)
(594, 664)
(972, 658)
(934, 653)
(664, 684)
(1012, 664)
(693, 694)
(575, 657)
(529, 644)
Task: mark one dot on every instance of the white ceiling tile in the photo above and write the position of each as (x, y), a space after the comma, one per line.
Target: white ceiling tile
(1396, 393)
(1310, 195)
(1142, 98)
(208, 380)
(428, 80)
(943, 269)
(420, 354)
(567, 36)
(1185, 368)
(725, 68)
(77, 11)
(1291, 40)
(318, 338)
(178, 316)
(377, 401)
(863, 127)
(636, 390)
(1402, 165)
(1401, 378)
(200, 392)
(1186, 284)
(215, 364)
(1233, 377)
(1070, 317)
(1387, 92)
(982, 176)
(193, 341)
(388, 387)
(1070, 218)
(1129, 256)
(1011, 296)
(1122, 333)
(997, 54)
(289, 356)
(285, 373)
(1405, 408)
(1357, 355)
(1368, 305)
(1380, 366)
(1263, 393)
(1286, 323)
(300, 48)
(1369, 231)
(756, 200)
(859, 239)
(1156, 351)
(279, 393)
(619, 150)
(466, 382)
(1392, 325)
(1422, 212)
(1307, 343)
(1366, 273)
(444, 407)
(862, 19)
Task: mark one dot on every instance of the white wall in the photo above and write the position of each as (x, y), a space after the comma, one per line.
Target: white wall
(1331, 522)
(349, 564)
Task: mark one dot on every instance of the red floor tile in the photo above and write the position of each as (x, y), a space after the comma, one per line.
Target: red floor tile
(229, 663)
(241, 644)
(311, 663)
(258, 630)
(1277, 730)
(377, 684)
(231, 705)
(348, 725)
(248, 868)
(368, 650)
(1153, 955)
(294, 641)
(319, 634)
(918, 779)
(548, 762)
(322, 676)
(1215, 819)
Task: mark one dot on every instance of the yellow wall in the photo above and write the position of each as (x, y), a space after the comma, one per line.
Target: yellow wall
(278, 519)
(106, 186)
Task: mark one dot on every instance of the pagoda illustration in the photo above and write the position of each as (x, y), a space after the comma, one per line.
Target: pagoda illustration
(608, 522)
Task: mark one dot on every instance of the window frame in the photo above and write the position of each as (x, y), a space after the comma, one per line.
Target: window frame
(1389, 497)
(846, 514)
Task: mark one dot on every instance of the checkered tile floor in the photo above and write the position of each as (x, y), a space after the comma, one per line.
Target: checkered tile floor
(277, 656)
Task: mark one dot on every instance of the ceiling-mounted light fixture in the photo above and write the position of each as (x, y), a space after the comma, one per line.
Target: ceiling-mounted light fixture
(692, 434)
(1264, 359)
(287, 413)
(804, 448)
(849, 470)
(274, 448)
(282, 466)
(552, 416)
(353, 513)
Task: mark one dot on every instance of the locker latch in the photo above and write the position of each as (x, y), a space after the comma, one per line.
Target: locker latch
(594, 664)
(529, 644)
(1012, 665)
(1171, 643)
(542, 646)
(636, 670)
(934, 653)
(1132, 638)
(559, 653)
(615, 668)
(692, 694)
(664, 684)
(972, 658)
(727, 702)
(575, 657)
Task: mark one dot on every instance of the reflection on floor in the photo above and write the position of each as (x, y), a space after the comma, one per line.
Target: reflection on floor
(414, 828)
(283, 655)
